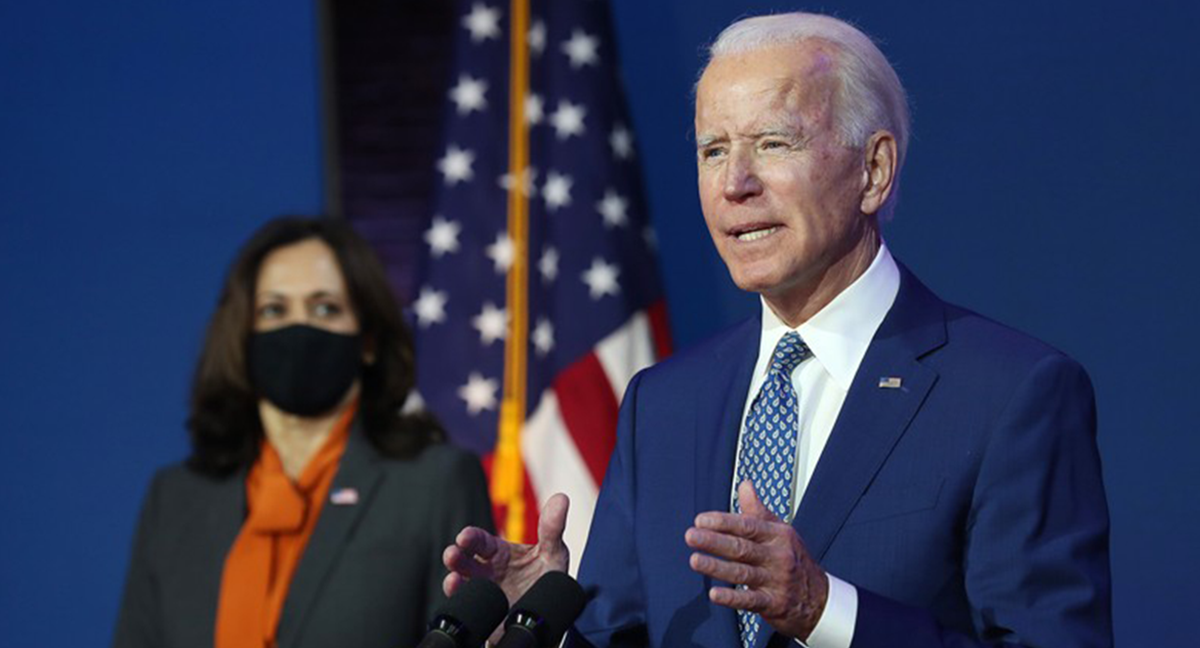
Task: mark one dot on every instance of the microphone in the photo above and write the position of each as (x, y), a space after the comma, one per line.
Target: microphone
(543, 615)
(467, 619)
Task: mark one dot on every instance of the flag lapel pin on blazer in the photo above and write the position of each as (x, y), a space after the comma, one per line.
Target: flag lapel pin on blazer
(890, 382)
(344, 497)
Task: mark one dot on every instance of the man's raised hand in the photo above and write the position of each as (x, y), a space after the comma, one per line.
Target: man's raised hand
(514, 567)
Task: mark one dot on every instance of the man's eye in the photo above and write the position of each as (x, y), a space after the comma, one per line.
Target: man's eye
(711, 153)
(770, 145)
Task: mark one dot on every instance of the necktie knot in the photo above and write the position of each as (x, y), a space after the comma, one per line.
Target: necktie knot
(790, 352)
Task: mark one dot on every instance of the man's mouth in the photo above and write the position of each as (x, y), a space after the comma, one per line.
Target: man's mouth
(754, 232)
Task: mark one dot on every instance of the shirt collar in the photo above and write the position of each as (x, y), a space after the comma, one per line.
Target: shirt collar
(839, 334)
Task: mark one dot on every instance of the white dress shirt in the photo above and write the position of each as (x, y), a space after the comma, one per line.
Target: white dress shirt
(838, 336)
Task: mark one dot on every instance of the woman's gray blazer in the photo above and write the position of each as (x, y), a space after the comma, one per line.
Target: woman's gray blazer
(369, 577)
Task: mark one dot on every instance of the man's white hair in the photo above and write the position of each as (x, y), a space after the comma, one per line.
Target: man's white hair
(870, 97)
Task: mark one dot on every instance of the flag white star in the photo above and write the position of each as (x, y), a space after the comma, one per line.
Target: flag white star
(543, 336)
(442, 236)
(526, 179)
(535, 109)
(621, 141)
(567, 119)
(502, 252)
(601, 279)
(548, 264)
(612, 208)
(456, 165)
(492, 323)
(479, 393)
(581, 49)
(557, 191)
(537, 38)
(430, 307)
(468, 94)
(483, 22)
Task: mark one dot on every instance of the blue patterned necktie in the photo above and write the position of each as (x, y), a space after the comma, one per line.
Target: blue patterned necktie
(768, 450)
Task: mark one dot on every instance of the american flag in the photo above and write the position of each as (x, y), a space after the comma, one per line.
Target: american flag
(540, 296)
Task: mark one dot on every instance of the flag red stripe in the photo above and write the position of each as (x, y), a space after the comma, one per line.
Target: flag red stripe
(659, 328)
(531, 510)
(589, 410)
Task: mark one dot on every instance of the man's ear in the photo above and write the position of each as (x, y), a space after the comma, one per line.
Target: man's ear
(879, 170)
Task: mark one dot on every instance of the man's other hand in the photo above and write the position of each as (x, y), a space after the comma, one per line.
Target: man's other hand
(783, 583)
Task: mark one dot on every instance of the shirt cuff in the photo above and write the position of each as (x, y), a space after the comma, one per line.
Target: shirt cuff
(835, 628)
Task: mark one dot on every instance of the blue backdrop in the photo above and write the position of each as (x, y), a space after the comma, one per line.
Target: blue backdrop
(1049, 185)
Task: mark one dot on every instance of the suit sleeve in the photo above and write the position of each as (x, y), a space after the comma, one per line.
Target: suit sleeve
(609, 570)
(138, 621)
(1036, 555)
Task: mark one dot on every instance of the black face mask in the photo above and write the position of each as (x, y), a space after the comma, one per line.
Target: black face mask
(304, 370)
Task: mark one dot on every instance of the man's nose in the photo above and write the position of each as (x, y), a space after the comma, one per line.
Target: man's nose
(741, 178)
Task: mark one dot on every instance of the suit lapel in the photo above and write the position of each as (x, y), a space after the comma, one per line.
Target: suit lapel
(357, 470)
(718, 418)
(873, 418)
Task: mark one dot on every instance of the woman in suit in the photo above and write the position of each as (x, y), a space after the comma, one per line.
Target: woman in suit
(311, 511)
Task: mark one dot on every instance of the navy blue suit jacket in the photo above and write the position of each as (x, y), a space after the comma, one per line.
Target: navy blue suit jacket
(966, 505)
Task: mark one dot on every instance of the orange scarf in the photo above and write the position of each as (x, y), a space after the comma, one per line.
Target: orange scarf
(282, 516)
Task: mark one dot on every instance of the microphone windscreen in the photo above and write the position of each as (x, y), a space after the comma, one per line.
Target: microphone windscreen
(556, 599)
(478, 606)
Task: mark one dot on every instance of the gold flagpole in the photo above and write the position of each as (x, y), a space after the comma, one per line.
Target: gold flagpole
(508, 475)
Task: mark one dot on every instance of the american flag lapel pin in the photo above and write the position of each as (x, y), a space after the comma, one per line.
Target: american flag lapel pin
(344, 497)
(890, 382)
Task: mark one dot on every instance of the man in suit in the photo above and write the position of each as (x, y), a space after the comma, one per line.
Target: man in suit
(862, 464)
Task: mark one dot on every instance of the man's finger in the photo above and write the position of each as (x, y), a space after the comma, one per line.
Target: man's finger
(451, 583)
(751, 505)
(724, 545)
(740, 599)
(477, 542)
(742, 526)
(728, 571)
(553, 519)
(457, 560)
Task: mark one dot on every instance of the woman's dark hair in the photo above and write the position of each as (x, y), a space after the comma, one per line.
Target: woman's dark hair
(224, 424)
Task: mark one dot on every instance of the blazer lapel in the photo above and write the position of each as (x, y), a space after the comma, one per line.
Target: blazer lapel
(873, 418)
(356, 471)
(206, 544)
(718, 419)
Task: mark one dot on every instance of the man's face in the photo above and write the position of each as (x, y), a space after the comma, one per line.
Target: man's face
(781, 195)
